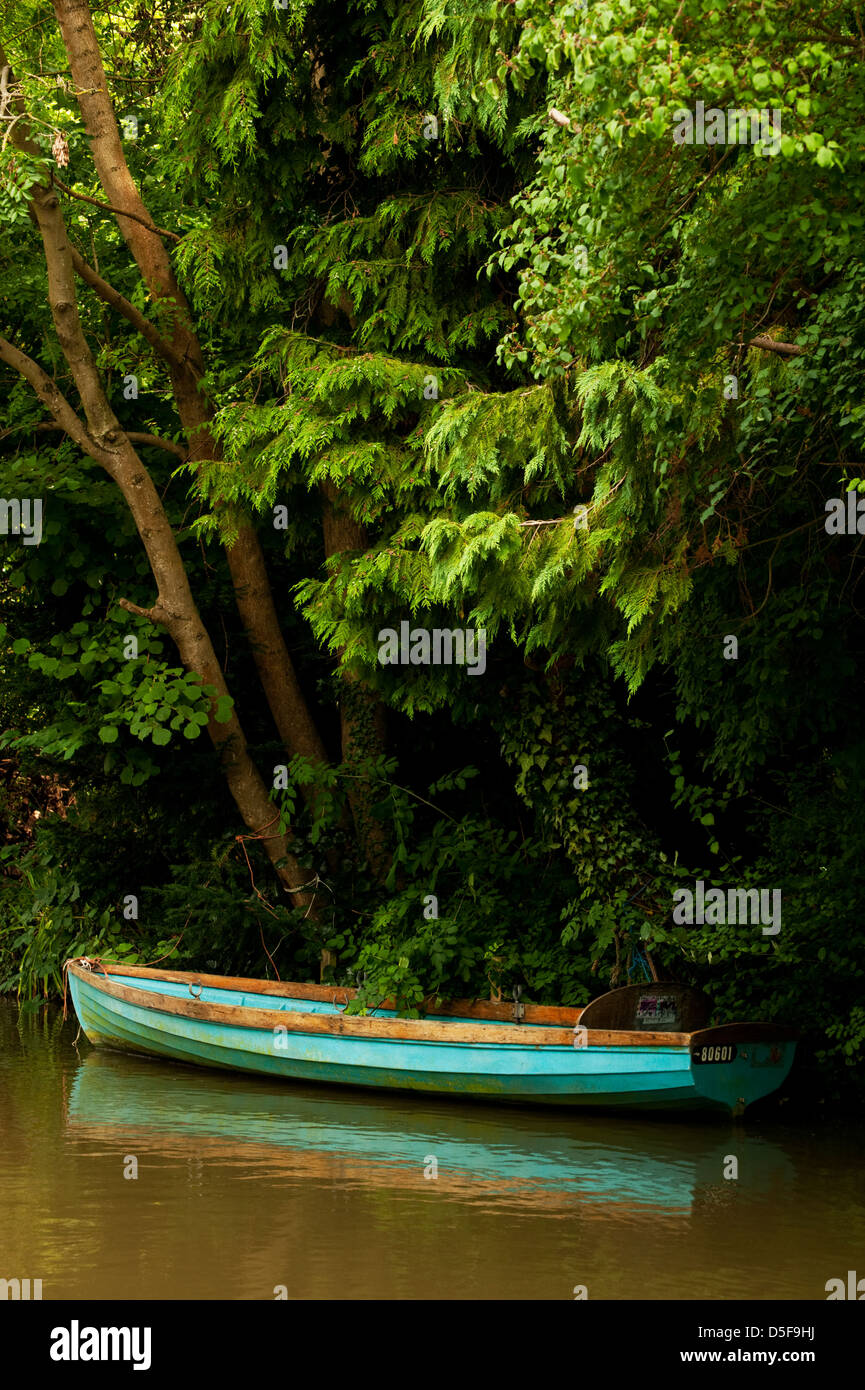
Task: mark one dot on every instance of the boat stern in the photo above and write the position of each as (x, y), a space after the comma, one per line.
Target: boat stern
(735, 1064)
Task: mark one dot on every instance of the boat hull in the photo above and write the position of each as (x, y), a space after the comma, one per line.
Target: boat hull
(299, 1040)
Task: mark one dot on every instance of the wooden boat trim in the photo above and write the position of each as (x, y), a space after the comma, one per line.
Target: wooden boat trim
(744, 1033)
(386, 1029)
(340, 994)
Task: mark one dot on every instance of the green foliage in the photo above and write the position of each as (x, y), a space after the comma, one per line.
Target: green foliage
(513, 352)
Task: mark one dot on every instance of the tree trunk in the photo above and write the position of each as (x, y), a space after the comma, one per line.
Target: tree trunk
(103, 439)
(362, 716)
(185, 361)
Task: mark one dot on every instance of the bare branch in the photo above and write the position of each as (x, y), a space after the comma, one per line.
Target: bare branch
(774, 345)
(153, 441)
(53, 399)
(117, 301)
(156, 614)
(118, 212)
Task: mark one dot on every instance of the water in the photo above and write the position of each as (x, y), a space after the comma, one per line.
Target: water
(246, 1188)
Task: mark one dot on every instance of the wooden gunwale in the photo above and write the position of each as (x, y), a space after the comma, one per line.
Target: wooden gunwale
(339, 994)
(405, 1029)
(744, 1033)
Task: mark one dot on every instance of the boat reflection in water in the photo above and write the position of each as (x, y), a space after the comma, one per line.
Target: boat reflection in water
(541, 1161)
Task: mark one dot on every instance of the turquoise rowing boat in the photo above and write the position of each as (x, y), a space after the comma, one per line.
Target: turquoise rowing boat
(641, 1047)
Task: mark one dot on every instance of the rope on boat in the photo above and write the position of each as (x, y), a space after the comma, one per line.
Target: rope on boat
(88, 963)
(94, 962)
(314, 883)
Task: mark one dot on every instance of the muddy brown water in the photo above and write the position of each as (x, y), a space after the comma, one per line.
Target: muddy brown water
(126, 1178)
